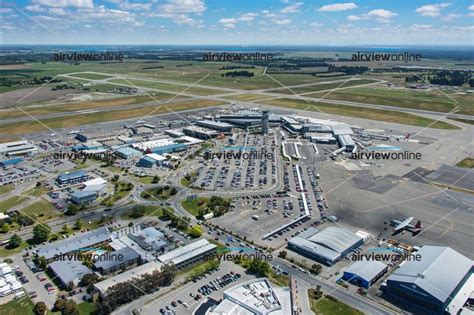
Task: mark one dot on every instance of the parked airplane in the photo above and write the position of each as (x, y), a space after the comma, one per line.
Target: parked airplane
(405, 225)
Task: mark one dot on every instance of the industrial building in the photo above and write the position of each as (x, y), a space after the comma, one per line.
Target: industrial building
(159, 146)
(151, 160)
(124, 257)
(256, 296)
(439, 283)
(346, 142)
(74, 243)
(10, 162)
(150, 239)
(327, 246)
(127, 153)
(83, 197)
(68, 272)
(189, 254)
(249, 119)
(365, 273)
(128, 275)
(215, 125)
(291, 125)
(199, 132)
(17, 148)
(73, 177)
(97, 185)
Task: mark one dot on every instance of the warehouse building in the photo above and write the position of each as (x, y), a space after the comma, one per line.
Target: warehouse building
(189, 254)
(199, 132)
(83, 197)
(249, 119)
(365, 273)
(17, 148)
(74, 243)
(215, 125)
(69, 271)
(123, 258)
(151, 160)
(127, 153)
(73, 177)
(150, 239)
(10, 162)
(327, 246)
(126, 276)
(441, 282)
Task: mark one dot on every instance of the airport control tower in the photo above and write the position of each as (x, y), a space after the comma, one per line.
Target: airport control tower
(265, 122)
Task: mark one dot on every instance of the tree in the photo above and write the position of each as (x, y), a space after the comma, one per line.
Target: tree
(195, 231)
(42, 262)
(65, 229)
(155, 179)
(259, 267)
(15, 241)
(173, 191)
(316, 268)
(78, 224)
(282, 254)
(40, 308)
(137, 212)
(72, 209)
(41, 233)
(88, 279)
(5, 227)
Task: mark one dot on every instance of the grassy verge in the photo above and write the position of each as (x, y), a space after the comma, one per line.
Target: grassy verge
(362, 112)
(4, 252)
(92, 76)
(193, 206)
(185, 182)
(466, 121)
(23, 306)
(161, 193)
(149, 211)
(466, 163)
(280, 279)
(86, 308)
(12, 202)
(5, 189)
(37, 191)
(328, 305)
(144, 179)
(43, 210)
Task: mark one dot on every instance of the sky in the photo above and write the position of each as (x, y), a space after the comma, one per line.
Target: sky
(237, 22)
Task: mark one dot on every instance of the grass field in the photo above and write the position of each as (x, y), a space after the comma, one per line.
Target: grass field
(143, 179)
(76, 106)
(92, 76)
(23, 306)
(424, 100)
(193, 206)
(86, 308)
(155, 211)
(361, 112)
(466, 121)
(466, 163)
(12, 202)
(167, 86)
(37, 191)
(4, 252)
(245, 97)
(41, 210)
(153, 193)
(77, 120)
(323, 87)
(5, 189)
(327, 306)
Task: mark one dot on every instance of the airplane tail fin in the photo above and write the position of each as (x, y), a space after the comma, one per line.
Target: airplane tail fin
(418, 226)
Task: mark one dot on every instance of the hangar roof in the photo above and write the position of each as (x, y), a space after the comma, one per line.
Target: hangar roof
(335, 238)
(366, 269)
(439, 271)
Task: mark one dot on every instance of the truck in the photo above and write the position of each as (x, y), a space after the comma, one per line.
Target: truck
(255, 217)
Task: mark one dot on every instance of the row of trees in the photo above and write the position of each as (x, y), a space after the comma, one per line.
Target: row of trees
(126, 292)
(216, 205)
(444, 77)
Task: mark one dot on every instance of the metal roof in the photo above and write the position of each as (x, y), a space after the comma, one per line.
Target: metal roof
(127, 253)
(213, 123)
(366, 269)
(74, 243)
(313, 248)
(439, 272)
(84, 193)
(335, 238)
(69, 271)
(187, 252)
(72, 175)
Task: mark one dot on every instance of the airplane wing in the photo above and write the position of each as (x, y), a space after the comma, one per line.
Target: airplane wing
(403, 224)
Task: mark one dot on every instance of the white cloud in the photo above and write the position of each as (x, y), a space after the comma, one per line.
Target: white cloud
(35, 8)
(471, 14)
(66, 3)
(135, 6)
(451, 17)
(338, 7)
(294, 8)
(315, 24)
(381, 13)
(420, 27)
(230, 22)
(179, 10)
(471, 7)
(57, 11)
(432, 9)
(354, 18)
(282, 22)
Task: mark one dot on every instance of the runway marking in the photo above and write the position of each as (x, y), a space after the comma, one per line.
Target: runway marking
(448, 228)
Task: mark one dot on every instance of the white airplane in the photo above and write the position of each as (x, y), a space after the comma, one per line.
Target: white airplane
(405, 224)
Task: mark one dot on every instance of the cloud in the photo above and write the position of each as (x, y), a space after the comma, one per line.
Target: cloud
(420, 27)
(35, 8)
(451, 17)
(315, 24)
(179, 11)
(338, 7)
(66, 3)
(294, 8)
(432, 9)
(135, 6)
(230, 22)
(471, 7)
(282, 21)
(57, 11)
(354, 18)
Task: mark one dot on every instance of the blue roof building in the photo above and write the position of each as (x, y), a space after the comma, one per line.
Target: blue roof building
(10, 162)
(73, 177)
(83, 197)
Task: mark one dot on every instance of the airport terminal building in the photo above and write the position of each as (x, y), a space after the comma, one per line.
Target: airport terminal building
(440, 283)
